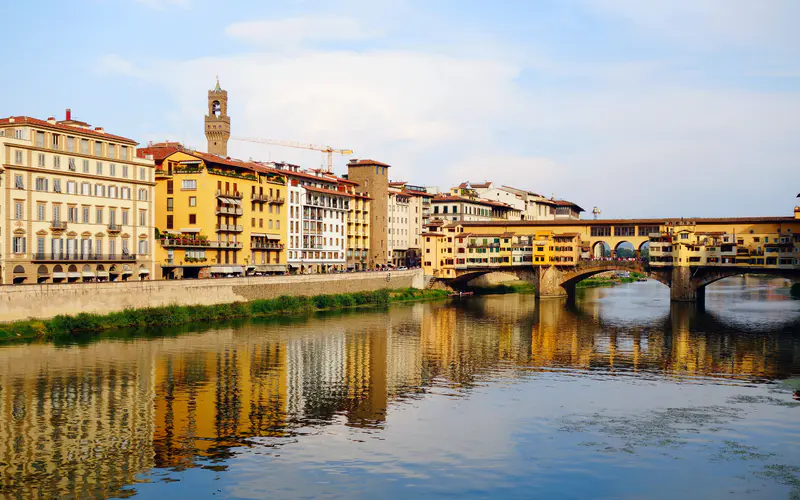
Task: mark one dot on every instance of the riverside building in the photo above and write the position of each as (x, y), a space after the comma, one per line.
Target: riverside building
(77, 203)
(217, 216)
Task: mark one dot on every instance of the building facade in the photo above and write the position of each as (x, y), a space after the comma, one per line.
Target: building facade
(76, 203)
(216, 216)
(373, 181)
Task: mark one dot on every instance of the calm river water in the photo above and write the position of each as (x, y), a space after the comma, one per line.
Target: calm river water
(618, 396)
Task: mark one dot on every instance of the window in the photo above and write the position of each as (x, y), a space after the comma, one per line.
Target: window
(277, 224)
(112, 150)
(143, 195)
(169, 221)
(40, 139)
(125, 217)
(125, 171)
(170, 204)
(56, 185)
(40, 211)
(169, 187)
(112, 169)
(123, 152)
(18, 157)
(192, 218)
(86, 189)
(41, 184)
(70, 144)
(72, 187)
(142, 174)
(72, 214)
(189, 184)
(99, 168)
(54, 143)
(85, 213)
(18, 182)
(142, 217)
(85, 166)
(57, 163)
(41, 160)
(18, 210)
(18, 244)
(98, 148)
(143, 247)
(99, 215)
(85, 146)
(193, 201)
(112, 215)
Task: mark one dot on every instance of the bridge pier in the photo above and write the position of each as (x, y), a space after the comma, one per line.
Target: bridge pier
(683, 286)
(550, 283)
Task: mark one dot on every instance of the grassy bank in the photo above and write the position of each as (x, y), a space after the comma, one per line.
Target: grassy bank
(608, 281)
(167, 316)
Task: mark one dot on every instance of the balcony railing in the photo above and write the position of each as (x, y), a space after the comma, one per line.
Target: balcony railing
(229, 194)
(114, 228)
(225, 244)
(183, 242)
(235, 211)
(277, 201)
(229, 228)
(259, 198)
(266, 246)
(59, 225)
(80, 256)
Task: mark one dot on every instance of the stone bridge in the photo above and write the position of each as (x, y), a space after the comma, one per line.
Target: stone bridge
(685, 283)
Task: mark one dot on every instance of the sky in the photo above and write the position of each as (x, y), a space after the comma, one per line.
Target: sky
(643, 109)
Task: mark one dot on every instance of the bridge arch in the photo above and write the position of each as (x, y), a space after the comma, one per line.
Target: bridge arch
(627, 247)
(601, 249)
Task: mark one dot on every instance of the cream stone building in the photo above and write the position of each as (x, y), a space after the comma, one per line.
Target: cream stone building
(76, 203)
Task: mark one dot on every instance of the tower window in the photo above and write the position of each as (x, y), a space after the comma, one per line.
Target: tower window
(216, 109)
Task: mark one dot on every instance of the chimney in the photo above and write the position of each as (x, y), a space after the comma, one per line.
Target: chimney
(69, 114)
(99, 129)
(51, 120)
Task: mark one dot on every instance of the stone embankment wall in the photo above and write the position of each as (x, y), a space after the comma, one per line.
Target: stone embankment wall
(19, 302)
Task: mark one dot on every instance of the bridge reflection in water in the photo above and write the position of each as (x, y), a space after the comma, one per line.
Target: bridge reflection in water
(84, 421)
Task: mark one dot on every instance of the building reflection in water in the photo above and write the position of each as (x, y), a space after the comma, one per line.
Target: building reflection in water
(84, 421)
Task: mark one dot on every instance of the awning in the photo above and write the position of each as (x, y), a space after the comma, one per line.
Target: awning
(127, 272)
(60, 275)
(87, 274)
(221, 270)
(73, 275)
(102, 274)
(236, 202)
(271, 268)
(190, 229)
(226, 201)
(237, 269)
(144, 271)
(258, 235)
(273, 236)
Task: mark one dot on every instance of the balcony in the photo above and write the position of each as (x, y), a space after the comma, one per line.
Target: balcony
(257, 245)
(114, 228)
(82, 257)
(259, 198)
(225, 245)
(183, 243)
(229, 228)
(277, 201)
(229, 194)
(58, 225)
(235, 211)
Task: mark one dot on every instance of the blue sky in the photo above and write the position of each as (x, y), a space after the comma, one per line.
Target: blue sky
(679, 108)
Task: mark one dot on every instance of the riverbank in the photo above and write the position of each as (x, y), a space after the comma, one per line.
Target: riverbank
(173, 315)
(595, 282)
(503, 288)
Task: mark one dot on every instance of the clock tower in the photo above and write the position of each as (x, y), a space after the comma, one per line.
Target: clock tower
(218, 123)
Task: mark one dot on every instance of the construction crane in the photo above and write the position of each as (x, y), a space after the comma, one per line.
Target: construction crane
(290, 144)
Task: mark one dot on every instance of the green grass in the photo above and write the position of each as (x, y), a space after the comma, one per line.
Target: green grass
(502, 288)
(169, 316)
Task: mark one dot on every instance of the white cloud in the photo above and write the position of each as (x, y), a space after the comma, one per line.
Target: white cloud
(641, 139)
(292, 31)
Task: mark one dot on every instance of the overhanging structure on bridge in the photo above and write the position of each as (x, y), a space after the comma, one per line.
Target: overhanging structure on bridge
(684, 254)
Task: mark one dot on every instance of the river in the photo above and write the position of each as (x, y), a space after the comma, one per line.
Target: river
(620, 395)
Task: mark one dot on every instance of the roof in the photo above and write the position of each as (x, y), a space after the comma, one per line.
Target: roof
(479, 201)
(27, 120)
(368, 162)
(398, 183)
(160, 151)
(565, 203)
(639, 222)
(521, 191)
(328, 191)
(568, 235)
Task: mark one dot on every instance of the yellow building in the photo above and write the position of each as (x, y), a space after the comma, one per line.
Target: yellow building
(358, 218)
(216, 216)
(78, 203)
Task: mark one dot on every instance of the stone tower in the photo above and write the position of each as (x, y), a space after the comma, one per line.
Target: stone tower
(218, 123)
(373, 179)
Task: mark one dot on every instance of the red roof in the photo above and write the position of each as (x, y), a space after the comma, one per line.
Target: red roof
(158, 151)
(329, 191)
(368, 162)
(27, 120)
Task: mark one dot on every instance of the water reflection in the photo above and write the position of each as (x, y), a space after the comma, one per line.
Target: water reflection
(83, 421)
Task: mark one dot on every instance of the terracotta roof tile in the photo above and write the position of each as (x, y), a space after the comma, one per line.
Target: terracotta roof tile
(27, 120)
(368, 162)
